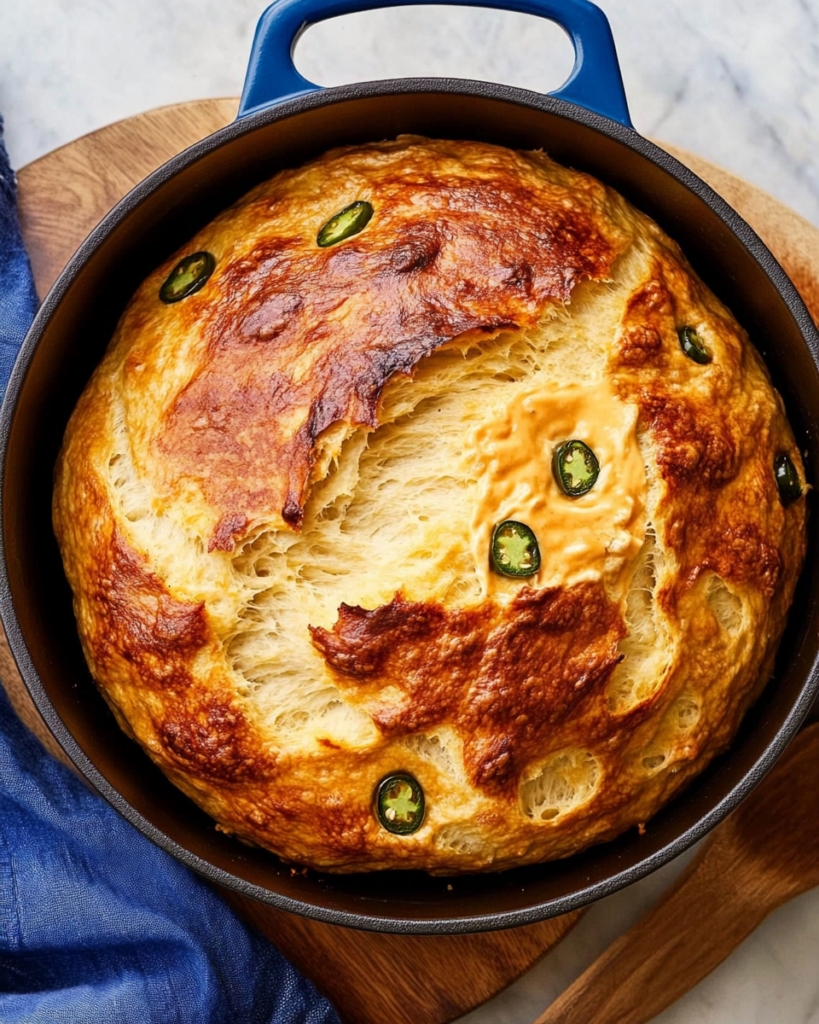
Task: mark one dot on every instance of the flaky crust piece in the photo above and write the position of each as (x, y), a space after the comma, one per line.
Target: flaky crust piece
(275, 496)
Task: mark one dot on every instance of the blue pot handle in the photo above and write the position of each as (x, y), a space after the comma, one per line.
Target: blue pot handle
(594, 83)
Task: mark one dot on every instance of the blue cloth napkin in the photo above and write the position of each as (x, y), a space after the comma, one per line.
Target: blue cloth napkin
(18, 300)
(98, 925)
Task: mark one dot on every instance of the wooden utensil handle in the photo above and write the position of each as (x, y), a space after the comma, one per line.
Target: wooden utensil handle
(656, 962)
(760, 857)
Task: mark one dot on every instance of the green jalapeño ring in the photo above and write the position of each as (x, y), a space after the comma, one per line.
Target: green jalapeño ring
(400, 804)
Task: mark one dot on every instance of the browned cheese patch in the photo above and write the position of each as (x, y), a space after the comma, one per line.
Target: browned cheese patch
(300, 338)
(209, 736)
(139, 621)
(506, 676)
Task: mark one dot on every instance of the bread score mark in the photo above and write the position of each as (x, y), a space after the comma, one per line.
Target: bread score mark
(712, 429)
(143, 640)
(507, 676)
(302, 337)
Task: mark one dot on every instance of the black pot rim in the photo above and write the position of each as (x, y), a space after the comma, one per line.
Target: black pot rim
(290, 108)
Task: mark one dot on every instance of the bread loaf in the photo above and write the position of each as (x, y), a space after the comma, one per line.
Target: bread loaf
(281, 505)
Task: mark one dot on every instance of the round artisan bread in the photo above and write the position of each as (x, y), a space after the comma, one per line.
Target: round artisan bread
(277, 504)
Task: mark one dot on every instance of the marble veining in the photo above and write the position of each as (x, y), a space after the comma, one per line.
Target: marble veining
(734, 80)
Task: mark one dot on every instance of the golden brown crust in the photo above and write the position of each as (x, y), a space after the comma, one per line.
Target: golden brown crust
(210, 443)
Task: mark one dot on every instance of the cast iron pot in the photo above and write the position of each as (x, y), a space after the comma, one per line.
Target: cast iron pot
(284, 121)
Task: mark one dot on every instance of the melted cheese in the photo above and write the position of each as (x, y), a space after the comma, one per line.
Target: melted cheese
(596, 536)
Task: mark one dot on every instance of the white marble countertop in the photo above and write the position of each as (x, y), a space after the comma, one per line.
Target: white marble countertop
(734, 80)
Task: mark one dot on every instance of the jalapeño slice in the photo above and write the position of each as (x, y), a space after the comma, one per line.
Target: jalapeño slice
(575, 467)
(691, 344)
(187, 277)
(787, 479)
(515, 551)
(400, 804)
(345, 224)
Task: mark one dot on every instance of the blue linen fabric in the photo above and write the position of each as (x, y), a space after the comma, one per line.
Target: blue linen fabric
(18, 300)
(98, 925)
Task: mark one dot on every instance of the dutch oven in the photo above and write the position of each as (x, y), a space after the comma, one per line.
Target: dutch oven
(283, 121)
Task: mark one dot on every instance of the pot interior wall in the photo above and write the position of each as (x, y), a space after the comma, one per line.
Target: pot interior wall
(155, 223)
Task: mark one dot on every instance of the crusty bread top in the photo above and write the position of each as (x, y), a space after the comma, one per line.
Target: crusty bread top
(276, 497)
(336, 323)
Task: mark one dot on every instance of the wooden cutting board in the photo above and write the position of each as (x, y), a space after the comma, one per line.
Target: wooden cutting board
(62, 196)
